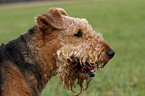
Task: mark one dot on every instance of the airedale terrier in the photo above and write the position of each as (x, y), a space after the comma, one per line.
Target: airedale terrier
(56, 44)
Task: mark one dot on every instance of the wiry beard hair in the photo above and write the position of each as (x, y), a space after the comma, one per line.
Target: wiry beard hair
(68, 57)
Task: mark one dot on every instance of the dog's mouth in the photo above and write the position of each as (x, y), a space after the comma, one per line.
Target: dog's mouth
(86, 68)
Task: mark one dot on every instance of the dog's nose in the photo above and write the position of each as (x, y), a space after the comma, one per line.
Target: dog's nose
(110, 53)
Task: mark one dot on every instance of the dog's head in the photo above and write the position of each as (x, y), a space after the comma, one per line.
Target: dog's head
(80, 50)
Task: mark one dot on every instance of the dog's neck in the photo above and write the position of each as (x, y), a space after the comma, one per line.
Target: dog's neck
(34, 57)
(44, 54)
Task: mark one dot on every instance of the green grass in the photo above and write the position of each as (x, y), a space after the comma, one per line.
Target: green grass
(122, 23)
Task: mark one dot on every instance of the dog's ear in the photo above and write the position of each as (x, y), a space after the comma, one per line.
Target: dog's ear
(52, 18)
(62, 11)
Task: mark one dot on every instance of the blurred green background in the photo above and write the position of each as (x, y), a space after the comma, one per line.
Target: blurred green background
(122, 23)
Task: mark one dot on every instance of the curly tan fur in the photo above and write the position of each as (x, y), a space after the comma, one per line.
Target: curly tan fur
(91, 48)
(56, 45)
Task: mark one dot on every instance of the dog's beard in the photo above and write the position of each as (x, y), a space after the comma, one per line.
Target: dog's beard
(77, 65)
(70, 76)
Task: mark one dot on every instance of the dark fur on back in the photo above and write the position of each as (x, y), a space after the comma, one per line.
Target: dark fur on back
(12, 57)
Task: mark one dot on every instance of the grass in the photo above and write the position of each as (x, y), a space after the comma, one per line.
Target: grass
(122, 23)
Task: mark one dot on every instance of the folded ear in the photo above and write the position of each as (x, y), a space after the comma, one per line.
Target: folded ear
(52, 18)
(62, 11)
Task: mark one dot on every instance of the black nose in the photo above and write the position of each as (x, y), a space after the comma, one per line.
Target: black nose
(110, 53)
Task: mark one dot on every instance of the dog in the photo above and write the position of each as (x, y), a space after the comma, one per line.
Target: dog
(56, 45)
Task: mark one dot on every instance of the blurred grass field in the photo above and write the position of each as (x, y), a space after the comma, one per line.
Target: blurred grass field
(122, 23)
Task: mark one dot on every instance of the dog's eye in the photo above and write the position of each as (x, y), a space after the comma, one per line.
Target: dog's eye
(79, 34)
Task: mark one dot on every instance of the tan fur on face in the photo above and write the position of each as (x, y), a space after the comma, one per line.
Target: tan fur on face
(89, 47)
(61, 44)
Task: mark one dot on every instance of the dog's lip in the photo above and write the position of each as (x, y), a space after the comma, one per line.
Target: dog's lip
(89, 74)
(86, 69)
(100, 65)
(89, 70)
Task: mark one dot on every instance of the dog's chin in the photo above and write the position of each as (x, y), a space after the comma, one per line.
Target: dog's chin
(85, 70)
(87, 75)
